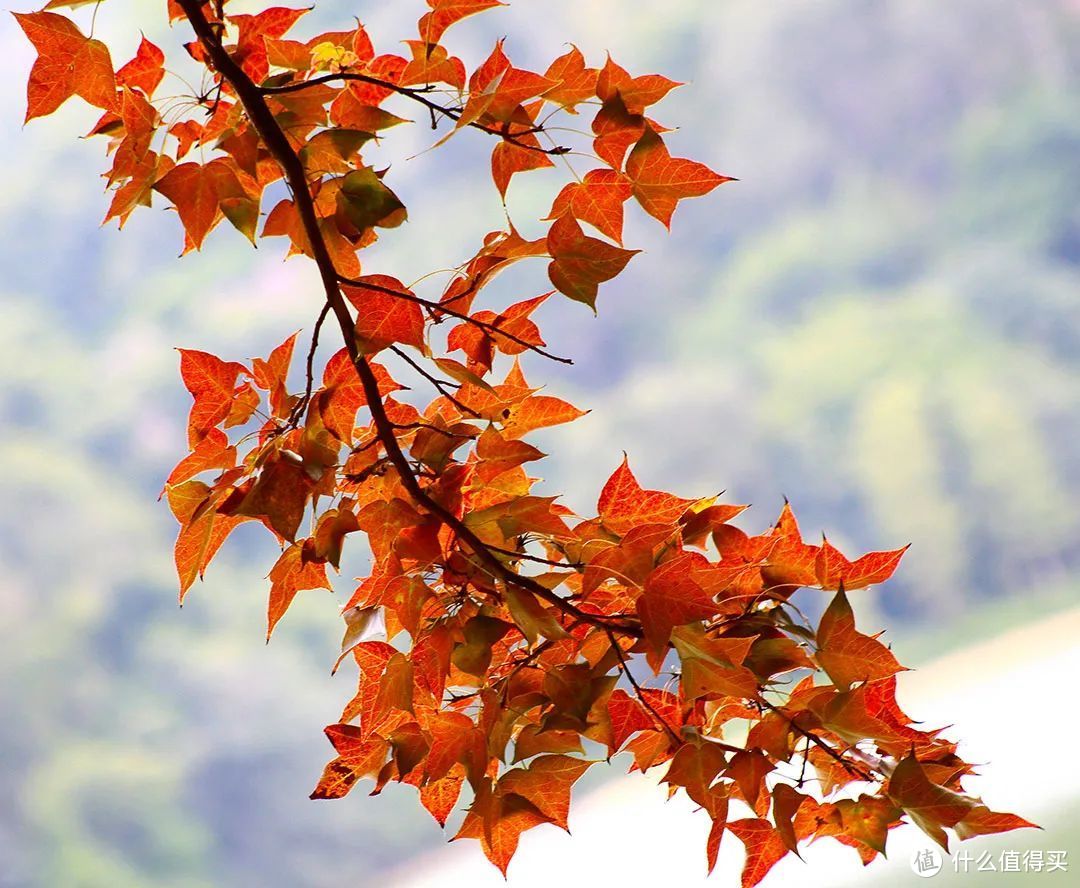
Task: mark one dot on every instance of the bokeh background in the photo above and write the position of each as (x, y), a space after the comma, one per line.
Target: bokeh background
(881, 321)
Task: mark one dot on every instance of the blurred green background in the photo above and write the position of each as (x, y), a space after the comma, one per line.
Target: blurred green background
(881, 320)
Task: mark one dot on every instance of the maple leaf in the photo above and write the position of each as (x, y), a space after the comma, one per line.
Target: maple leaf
(749, 768)
(597, 199)
(616, 129)
(203, 194)
(270, 374)
(366, 202)
(847, 655)
(279, 496)
(360, 756)
(576, 82)
(289, 575)
(383, 318)
(212, 452)
(444, 13)
(519, 156)
(930, 806)
(432, 63)
(624, 504)
(660, 181)
(581, 263)
(343, 393)
(546, 783)
(68, 64)
(791, 562)
(145, 71)
(498, 822)
(202, 531)
(694, 768)
(211, 382)
(834, 570)
(636, 93)
(671, 597)
(627, 717)
(713, 665)
(440, 796)
(764, 848)
(981, 821)
(867, 820)
(251, 51)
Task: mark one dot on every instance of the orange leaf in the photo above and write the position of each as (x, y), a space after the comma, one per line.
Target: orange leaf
(287, 577)
(660, 181)
(68, 64)
(440, 796)
(576, 83)
(211, 382)
(847, 655)
(202, 194)
(834, 570)
(508, 158)
(270, 375)
(580, 263)
(212, 452)
(628, 717)
(344, 394)
(636, 93)
(280, 496)
(145, 71)
(202, 531)
(546, 782)
(383, 319)
(624, 504)
(598, 199)
(929, 805)
(981, 821)
(444, 13)
(498, 822)
(671, 598)
(764, 848)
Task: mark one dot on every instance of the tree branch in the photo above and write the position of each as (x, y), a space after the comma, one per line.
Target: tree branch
(266, 125)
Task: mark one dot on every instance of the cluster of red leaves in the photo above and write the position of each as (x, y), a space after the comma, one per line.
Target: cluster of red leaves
(498, 634)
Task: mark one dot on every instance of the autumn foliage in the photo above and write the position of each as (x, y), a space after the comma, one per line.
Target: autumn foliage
(503, 644)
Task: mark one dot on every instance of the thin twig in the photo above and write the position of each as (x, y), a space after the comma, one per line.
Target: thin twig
(441, 385)
(300, 406)
(436, 307)
(818, 742)
(417, 95)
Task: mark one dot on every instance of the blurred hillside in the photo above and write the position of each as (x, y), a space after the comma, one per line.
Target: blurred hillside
(880, 320)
